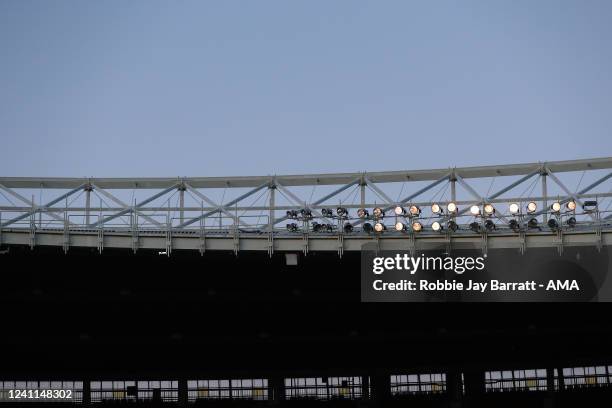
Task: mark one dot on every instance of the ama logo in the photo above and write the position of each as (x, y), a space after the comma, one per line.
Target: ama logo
(562, 285)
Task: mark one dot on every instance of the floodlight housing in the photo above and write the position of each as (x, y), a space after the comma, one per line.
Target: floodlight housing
(436, 209)
(475, 210)
(380, 227)
(532, 207)
(414, 210)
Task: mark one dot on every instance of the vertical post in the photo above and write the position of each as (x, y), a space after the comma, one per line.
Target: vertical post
(544, 199)
(88, 189)
(276, 389)
(86, 392)
(183, 394)
(272, 204)
(39, 203)
(365, 387)
(182, 202)
(453, 186)
(271, 216)
(550, 379)
(362, 186)
(560, 379)
(454, 385)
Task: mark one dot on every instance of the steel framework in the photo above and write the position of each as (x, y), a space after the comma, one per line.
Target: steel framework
(195, 212)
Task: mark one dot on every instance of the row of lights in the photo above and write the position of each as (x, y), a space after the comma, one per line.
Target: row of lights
(415, 211)
(475, 226)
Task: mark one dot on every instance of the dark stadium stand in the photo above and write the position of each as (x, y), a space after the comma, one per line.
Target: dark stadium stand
(220, 330)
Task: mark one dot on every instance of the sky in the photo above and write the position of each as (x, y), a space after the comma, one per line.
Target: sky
(200, 88)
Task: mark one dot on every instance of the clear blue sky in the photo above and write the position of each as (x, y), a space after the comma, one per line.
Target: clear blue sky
(186, 88)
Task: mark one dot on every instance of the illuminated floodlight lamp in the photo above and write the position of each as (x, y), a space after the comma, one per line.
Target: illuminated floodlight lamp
(532, 223)
(380, 227)
(414, 210)
(475, 210)
(367, 227)
(342, 212)
(363, 213)
(555, 207)
(378, 212)
(571, 222)
(571, 205)
(514, 225)
(348, 227)
(489, 225)
(292, 227)
(489, 209)
(532, 207)
(475, 226)
(514, 208)
(400, 226)
(436, 209)
(453, 226)
(399, 210)
(417, 226)
(553, 224)
(436, 226)
(451, 207)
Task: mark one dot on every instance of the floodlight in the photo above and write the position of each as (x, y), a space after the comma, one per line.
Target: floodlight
(514, 208)
(292, 227)
(362, 213)
(436, 209)
(453, 226)
(475, 226)
(417, 226)
(367, 227)
(400, 226)
(475, 210)
(571, 205)
(555, 207)
(399, 210)
(571, 222)
(532, 223)
(327, 212)
(514, 225)
(532, 207)
(451, 207)
(379, 227)
(589, 205)
(414, 210)
(489, 225)
(553, 224)
(306, 213)
(348, 227)
(292, 214)
(436, 226)
(378, 212)
(316, 227)
(342, 212)
(489, 209)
